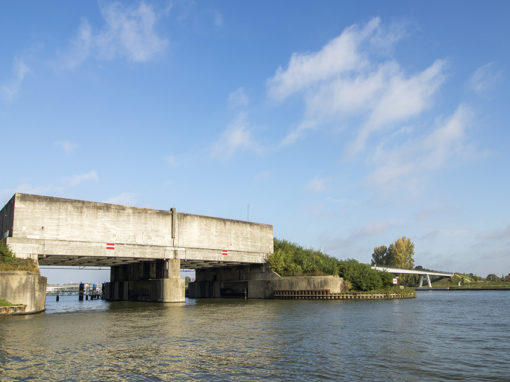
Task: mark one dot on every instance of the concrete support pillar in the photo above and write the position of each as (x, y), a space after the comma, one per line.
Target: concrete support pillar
(421, 281)
(157, 281)
(428, 281)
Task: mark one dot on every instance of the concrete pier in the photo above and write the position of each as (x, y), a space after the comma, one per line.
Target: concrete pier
(157, 281)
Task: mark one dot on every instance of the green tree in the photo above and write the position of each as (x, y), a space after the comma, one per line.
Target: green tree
(492, 277)
(380, 256)
(401, 253)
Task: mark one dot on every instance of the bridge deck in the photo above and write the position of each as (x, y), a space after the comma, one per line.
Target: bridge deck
(66, 232)
(412, 271)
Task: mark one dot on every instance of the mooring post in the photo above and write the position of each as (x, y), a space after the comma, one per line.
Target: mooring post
(80, 292)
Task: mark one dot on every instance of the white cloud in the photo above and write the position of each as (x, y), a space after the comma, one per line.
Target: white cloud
(79, 47)
(237, 136)
(404, 166)
(346, 79)
(67, 146)
(238, 98)
(88, 176)
(338, 56)
(128, 32)
(123, 198)
(316, 185)
(485, 78)
(11, 89)
(400, 99)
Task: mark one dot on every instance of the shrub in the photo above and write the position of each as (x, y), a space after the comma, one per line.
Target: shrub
(9, 262)
(361, 276)
(290, 259)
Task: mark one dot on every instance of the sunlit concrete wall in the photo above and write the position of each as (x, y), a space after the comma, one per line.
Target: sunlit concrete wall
(57, 226)
(24, 288)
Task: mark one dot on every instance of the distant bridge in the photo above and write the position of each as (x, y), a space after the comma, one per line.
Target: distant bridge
(421, 272)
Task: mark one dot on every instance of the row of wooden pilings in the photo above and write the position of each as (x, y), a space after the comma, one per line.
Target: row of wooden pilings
(325, 294)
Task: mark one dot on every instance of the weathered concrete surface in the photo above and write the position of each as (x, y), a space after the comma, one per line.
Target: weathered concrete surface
(59, 231)
(254, 279)
(334, 284)
(257, 281)
(24, 288)
(157, 281)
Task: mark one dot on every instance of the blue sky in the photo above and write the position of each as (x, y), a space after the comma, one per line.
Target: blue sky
(345, 125)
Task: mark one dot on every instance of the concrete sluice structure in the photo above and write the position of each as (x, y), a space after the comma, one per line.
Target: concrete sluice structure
(145, 248)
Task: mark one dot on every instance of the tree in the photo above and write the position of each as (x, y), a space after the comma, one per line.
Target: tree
(380, 256)
(400, 253)
(492, 277)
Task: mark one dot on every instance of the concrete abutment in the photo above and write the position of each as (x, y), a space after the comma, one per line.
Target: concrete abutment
(255, 281)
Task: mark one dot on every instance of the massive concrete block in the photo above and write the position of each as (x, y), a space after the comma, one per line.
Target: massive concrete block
(24, 288)
(61, 231)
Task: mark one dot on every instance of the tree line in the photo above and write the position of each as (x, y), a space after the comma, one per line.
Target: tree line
(289, 259)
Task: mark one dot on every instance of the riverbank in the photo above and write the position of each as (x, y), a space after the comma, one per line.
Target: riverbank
(325, 295)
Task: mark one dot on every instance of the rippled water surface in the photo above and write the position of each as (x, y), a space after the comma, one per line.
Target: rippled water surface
(437, 336)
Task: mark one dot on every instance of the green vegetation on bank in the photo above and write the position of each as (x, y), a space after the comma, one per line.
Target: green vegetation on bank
(5, 303)
(471, 281)
(8, 262)
(290, 259)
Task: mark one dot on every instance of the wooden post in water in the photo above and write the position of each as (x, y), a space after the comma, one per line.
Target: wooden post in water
(80, 292)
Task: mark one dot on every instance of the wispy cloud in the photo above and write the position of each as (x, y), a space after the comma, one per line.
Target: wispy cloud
(218, 19)
(316, 185)
(80, 178)
(348, 79)
(128, 32)
(499, 234)
(341, 55)
(237, 136)
(341, 245)
(12, 87)
(124, 198)
(485, 78)
(67, 146)
(403, 166)
(238, 98)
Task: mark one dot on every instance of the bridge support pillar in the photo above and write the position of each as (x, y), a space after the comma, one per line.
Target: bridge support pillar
(157, 281)
(428, 281)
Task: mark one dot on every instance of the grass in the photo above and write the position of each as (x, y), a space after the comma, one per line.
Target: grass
(9, 262)
(389, 290)
(5, 303)
(471, 284)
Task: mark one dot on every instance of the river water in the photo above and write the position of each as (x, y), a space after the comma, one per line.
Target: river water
(462, 335)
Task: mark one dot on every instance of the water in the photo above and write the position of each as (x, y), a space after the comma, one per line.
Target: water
(437, 336)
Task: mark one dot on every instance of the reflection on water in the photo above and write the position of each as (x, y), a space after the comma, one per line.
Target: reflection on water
(437, 336)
